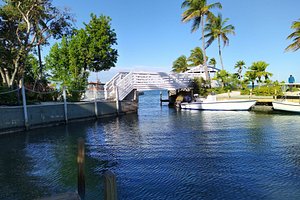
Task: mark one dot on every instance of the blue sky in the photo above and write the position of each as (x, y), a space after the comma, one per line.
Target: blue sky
(151, 35)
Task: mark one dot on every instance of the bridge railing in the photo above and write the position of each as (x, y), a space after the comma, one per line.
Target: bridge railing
(109, 87)
(126, 85)
(142, 81)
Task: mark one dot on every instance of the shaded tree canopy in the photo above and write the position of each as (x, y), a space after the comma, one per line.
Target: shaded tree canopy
(89, 49)
(24, 25)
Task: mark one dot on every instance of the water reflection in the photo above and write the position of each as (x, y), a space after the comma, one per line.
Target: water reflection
(161, 153)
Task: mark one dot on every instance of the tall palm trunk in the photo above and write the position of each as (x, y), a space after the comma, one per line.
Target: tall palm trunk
(220, 54)
(204, 52)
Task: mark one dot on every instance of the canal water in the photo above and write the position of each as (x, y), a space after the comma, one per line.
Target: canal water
(161, 153)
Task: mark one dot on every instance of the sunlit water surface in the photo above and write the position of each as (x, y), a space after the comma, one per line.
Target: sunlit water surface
(161, 153)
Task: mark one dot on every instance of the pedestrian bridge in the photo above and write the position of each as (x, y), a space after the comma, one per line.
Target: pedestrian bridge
(123, 83)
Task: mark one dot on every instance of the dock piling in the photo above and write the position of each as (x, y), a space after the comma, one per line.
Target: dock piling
(160, 98)
(110, 186)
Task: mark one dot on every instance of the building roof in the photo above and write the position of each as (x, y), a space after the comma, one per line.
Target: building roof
(200, 69)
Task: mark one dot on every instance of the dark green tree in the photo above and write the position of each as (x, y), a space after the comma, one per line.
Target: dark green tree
(25, 25)
(89, 49)
(101, 39)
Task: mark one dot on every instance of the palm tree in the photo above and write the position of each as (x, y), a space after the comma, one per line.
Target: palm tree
(216, 29)
(295, 36)
(257, 71)
(240, 65)
(250, 76)
(196, 11)
(196, 58)
(212, 62)
(223, 77)
(180, 64)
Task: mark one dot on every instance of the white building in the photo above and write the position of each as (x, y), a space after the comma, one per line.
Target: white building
(199, 71)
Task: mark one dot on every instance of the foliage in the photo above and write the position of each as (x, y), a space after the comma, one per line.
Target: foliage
(267, 91)
(272, 89)
(216, 29)
(101, 38)
(212, 62)
(10, 98)
(90, 49)
(228, 81)
(63, 71)
(295, 36)
(200, 86)
(222, 76)
(25, 25)
(196, 57)
(239, 66)
(180, 64)
(196, 11)
(256, 72)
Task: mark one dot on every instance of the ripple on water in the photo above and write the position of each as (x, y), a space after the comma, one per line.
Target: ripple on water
(161, 153)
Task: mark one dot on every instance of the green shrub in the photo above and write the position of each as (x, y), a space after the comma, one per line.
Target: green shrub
(200, 86)
(268, 91)
(10, 98)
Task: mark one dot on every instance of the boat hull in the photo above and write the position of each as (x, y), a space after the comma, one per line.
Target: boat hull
(286, 106)
(237, 105)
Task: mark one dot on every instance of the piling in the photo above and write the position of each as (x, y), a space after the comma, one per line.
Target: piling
(80, 163)
(110, 186)
(65, 104)
(24, 106)
(160, 98)
(95, 102)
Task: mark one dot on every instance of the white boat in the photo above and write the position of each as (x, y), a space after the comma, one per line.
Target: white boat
(286, 106)
(210, 103)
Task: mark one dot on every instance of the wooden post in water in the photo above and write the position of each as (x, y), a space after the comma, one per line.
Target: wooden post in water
(110, 186)
(160, 98)
(80, 163)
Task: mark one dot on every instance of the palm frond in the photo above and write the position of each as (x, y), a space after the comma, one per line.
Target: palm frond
(209, 42)
(295, 36)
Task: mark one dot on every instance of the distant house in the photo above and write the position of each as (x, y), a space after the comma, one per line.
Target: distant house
(94, 89)
(199, 71)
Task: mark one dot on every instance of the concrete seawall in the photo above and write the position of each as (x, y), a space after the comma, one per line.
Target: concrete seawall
(12, 118)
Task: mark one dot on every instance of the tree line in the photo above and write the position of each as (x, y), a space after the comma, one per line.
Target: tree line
(27, 26)
(213, 27)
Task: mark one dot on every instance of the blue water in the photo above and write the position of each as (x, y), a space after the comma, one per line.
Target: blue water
(161, 153)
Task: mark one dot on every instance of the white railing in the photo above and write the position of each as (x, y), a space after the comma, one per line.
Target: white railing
(109, 87)
(125, 86)
(125, 82)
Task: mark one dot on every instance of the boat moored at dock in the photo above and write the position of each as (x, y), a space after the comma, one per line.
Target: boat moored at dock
(286, 106)
(210, 103)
